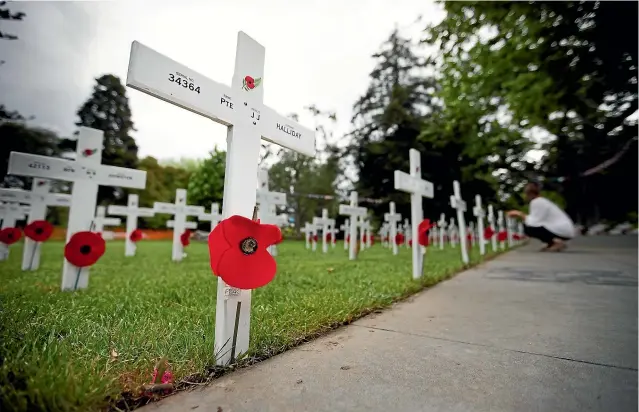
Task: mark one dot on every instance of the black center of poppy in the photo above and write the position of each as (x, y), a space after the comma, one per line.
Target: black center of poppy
(248, 246)
(85, 250)
(10, 236)
(39, 231)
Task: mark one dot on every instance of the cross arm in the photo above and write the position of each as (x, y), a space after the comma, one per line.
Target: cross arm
(159, 76)
(286, 132)
(411, 184)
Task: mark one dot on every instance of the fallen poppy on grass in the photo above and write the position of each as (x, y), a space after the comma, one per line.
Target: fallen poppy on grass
(135, 236)
(488, 233)
(39, 230)
(84, 249)
(502, 236)
(185, 238)
(10, 235)
(399, 239)
(238, 252)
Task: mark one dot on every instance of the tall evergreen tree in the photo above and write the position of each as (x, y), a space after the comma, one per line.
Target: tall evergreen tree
(108, 110)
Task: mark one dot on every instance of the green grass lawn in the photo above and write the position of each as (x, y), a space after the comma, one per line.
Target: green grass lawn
(57, 350)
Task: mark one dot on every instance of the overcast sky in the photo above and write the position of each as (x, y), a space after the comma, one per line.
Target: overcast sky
(317, 52)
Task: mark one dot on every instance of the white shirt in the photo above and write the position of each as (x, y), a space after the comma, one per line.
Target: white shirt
(545, 213)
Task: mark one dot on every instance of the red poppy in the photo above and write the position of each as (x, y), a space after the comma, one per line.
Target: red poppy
(10, 235)
(135, 236)
(185, 238)
(410, 243)
(315, 238)
(386, 238)
(469, 237)
(329, 237)
(238, 251)
(39, 230)
(84, 249)
(422, 231)
(250, 82)
(516, 236)
(365, 238)
(88, 152)
(348, 238)
(502, 236)
(399, 239)
(488, 233)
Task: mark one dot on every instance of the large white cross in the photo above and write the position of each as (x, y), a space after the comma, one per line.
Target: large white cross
(500, 227)
(325, 223)
(86, 173)
(345, 228)
(239, 107)
(10, 213)
(354, 212)
(392, 218)
(180, 210)
(214, 217)
(491, 223)
(457, 203)
(479, 213)
(38, 198)
(100, 221)
(132, 213)
(417, 187)
(441, 227)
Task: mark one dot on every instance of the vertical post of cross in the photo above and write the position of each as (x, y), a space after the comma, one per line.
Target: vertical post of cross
(459, 205)
(478, 211)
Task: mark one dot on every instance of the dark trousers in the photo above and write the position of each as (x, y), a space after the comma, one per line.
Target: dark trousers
(541, 233)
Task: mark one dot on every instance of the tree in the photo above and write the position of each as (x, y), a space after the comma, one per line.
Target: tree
(161, 183)
(206, 183)
(562, 67)
(299, 176)
(108, 110)
(6, 14)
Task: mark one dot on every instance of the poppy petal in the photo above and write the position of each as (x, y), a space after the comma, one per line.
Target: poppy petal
(247, 271)
(218, 245)
(268, 235)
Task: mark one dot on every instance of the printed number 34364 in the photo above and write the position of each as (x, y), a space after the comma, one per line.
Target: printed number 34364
(184, 83)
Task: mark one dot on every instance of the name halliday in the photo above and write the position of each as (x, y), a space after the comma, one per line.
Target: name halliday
(288, 130)
(120, 176)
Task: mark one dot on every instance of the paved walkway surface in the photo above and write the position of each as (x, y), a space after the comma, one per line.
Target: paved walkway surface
(528, 331)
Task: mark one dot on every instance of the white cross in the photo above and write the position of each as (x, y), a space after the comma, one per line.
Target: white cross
(354, 212)
(407, 233)
(479, 213)
(313, 228)
(325, 223)
(471, 233)
(308, 232)
(268, 201)
(457, 203)
(86, 173)
(442, 230)
(510, 222)
(520, 229)
(101, 221)
(345, 228)
(38, 198)
(500, 227)
(241, 107)
(365, 234)
(417, 187)
(392, 218)
(10, 213)
(180, 210)
(452, 230)
(491, 223)
(132, 213)
(214, 217)
(383, 232)
(334, 233)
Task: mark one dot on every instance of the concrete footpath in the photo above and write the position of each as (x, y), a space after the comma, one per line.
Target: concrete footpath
(528, 331)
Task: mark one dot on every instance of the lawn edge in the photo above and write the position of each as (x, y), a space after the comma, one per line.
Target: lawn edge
(204, 379)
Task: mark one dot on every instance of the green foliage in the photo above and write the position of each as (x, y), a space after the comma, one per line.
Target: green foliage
(306, 175)
(76, 351)
(562, 67)
(161, 183)
(108, 110)
(6, 14)
(187, 163)
(206, 183)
